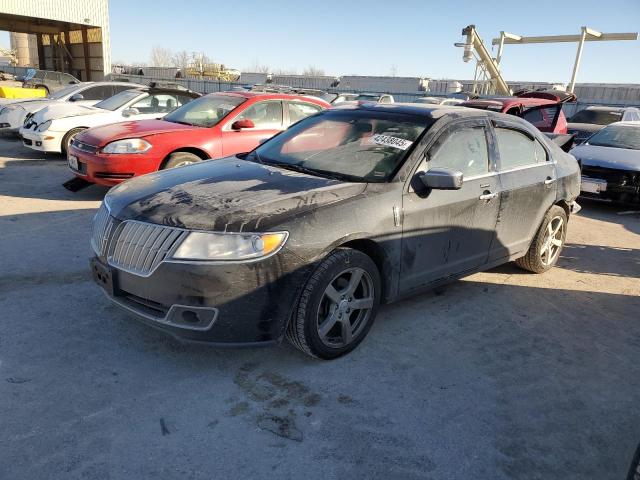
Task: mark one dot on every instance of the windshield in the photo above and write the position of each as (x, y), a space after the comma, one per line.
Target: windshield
(617, 136)
(64, 92)
(205, 111)
(361, 146)
(118, 100)
(597, 117)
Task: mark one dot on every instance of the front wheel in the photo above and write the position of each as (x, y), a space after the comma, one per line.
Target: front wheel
(180, 159)
(548, 242)
(337, 306)
(66, 140)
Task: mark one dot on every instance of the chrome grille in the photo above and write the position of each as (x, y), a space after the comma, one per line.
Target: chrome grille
(101, 229)
(139, 247)
(85, 147)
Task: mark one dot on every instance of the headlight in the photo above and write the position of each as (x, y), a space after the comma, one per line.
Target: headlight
(229, 246)
(44, 126)
(130, 145)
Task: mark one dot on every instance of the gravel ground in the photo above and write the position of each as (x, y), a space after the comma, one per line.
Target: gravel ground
(504, 375)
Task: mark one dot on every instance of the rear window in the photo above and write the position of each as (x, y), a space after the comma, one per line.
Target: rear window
(597, 117)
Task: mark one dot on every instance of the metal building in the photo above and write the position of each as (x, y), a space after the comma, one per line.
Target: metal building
(71, 35)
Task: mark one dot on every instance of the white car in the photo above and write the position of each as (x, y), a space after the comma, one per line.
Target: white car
(52, 128)
(438, 101)
(14, 112)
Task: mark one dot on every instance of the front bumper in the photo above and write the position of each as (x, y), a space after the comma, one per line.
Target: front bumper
(12, 120)
(224, 304)
(47, 141)
(110, 170)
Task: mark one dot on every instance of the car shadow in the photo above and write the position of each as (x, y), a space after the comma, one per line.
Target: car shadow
(18, 176)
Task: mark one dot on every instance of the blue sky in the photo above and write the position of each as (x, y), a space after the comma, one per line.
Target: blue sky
(414, 38)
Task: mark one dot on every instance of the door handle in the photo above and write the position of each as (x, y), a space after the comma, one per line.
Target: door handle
(549, 181)
(487, 195)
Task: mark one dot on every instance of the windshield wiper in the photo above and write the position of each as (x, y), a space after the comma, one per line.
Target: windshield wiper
(311, 171)
(181, 122)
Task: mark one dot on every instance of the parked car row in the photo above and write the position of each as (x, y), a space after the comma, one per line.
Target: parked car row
(313, 215)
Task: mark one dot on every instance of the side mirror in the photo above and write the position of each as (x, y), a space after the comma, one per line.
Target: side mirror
(76, 97)
(442, 179)
(129, 112)
(240, 124)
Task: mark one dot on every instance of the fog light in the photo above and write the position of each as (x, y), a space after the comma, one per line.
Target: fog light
(38, 143)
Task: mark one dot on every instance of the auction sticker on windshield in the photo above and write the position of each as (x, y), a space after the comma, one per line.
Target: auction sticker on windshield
(389, 141)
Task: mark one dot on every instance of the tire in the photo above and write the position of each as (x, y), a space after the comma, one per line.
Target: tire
(180, 159)
(68, 137)
(543, 254)
(355, 281)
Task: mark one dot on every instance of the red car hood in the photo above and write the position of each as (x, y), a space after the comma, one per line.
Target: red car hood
(100, 136)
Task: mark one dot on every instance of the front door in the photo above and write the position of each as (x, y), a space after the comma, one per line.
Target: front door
(449, 232)
(528, 179)
(268, 120)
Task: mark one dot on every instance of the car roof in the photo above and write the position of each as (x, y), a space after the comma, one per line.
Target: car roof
(625, 124)
(171, 91)
(506, 102)
(605, 108)
(269, 96)
(420, 109)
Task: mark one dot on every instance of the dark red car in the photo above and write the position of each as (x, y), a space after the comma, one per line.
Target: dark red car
(544, 113)
(213, 126)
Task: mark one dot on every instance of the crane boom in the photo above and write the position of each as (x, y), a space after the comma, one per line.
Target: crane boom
(474, 41)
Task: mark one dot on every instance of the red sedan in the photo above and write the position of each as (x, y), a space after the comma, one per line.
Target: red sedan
(544, 113)
(213, 126)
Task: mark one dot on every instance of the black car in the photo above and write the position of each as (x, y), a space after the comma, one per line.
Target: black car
(308, 234)
(593, 118)
(610, 163)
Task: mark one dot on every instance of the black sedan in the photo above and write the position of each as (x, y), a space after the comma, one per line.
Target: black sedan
(610, 162)
(308, 234)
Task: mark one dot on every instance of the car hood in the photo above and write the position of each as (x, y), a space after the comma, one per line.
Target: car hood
(227, 195)
(100, 136)
(608, 157)
(53, 112)
(30, 105)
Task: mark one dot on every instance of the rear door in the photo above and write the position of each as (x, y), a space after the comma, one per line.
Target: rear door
(448, 232)
(268, 118)
(528, 179)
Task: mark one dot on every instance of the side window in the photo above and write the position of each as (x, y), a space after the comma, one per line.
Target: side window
(464, 150)
(544, 118)
(99, 92)
(264, 115)
(541, 153)
(516, 149)
(300, 110)
(156, 103)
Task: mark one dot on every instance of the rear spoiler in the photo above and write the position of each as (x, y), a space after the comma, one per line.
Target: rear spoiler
(563, 140)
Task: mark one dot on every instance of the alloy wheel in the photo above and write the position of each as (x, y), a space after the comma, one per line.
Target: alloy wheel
(345, 307)
(552, 243)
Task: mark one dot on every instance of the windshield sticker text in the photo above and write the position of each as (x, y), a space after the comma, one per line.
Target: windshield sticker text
(389, 141)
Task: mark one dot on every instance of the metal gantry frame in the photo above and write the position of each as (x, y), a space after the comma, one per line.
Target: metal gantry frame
(586, 35)
(488, 68)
